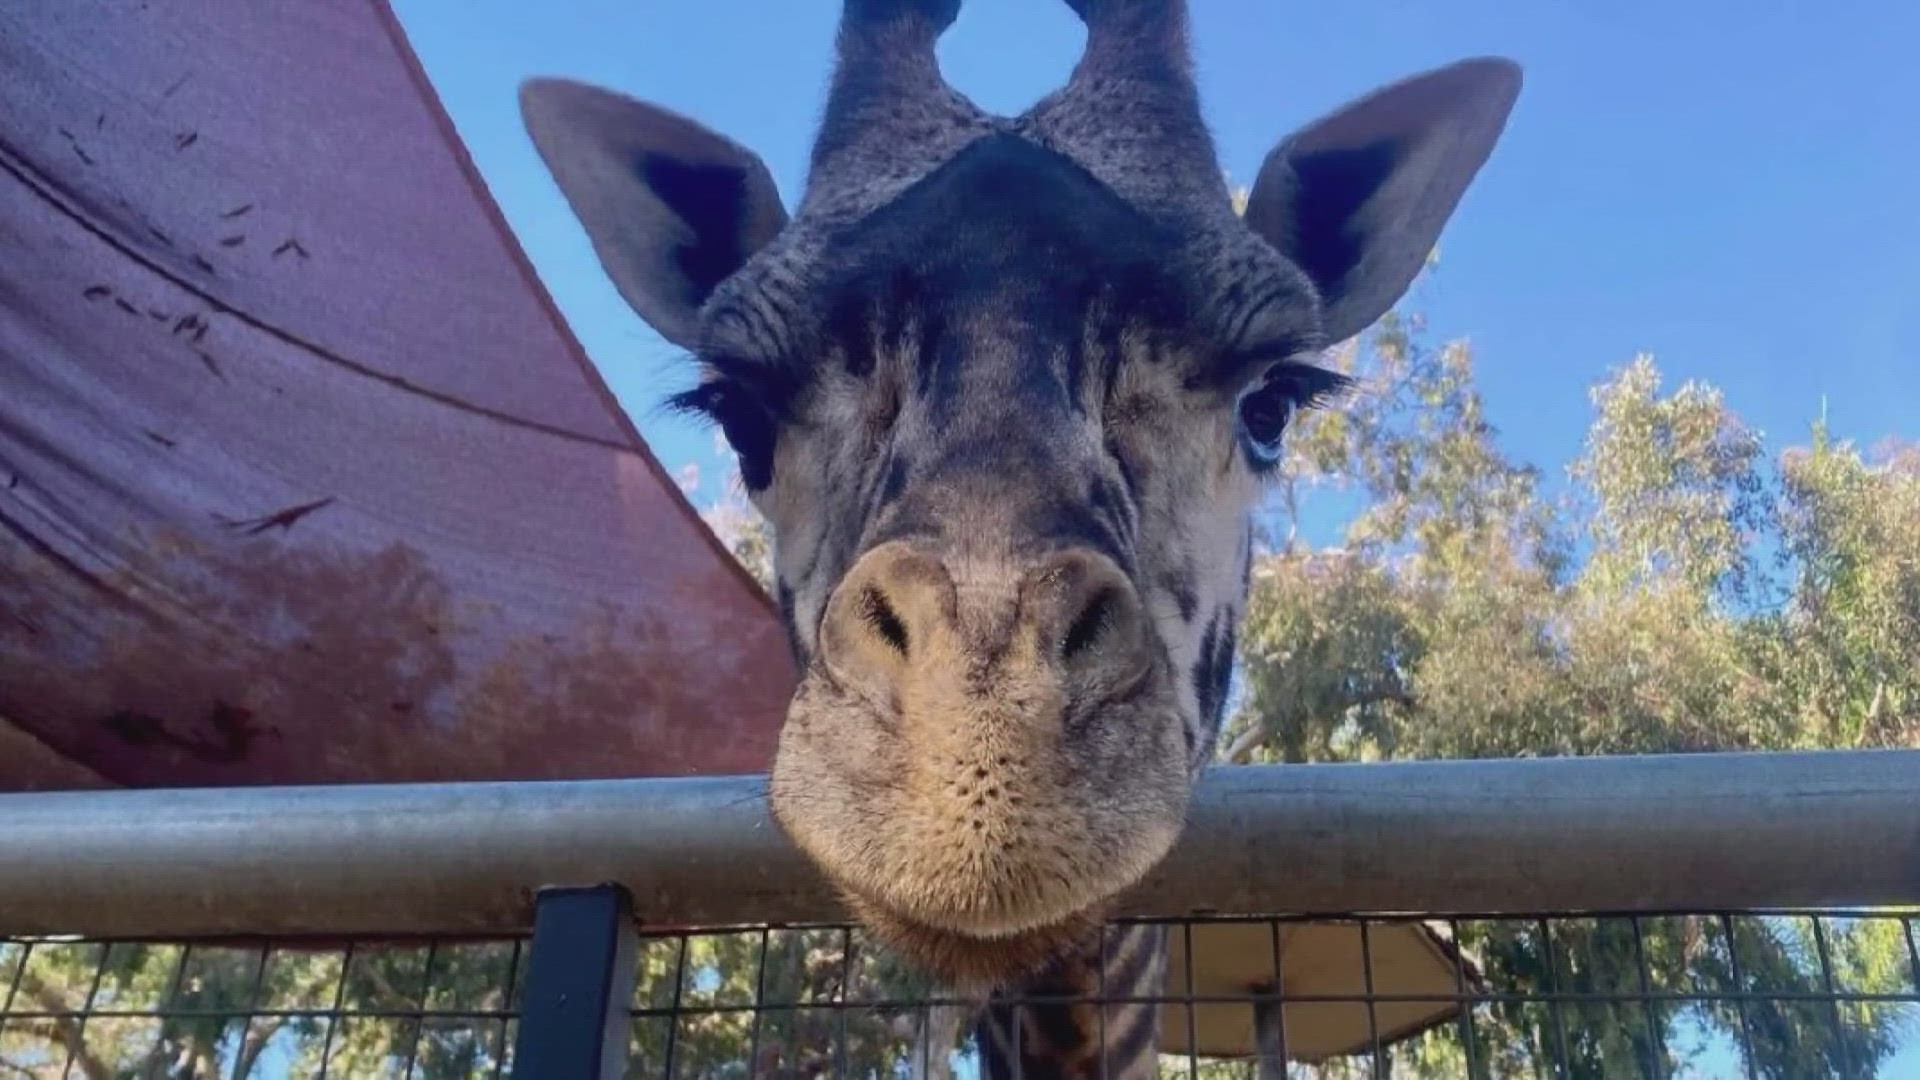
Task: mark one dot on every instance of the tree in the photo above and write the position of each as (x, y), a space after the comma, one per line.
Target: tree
(1849, 640)
(373, 1011)
(1373, 649)
(1454, 620)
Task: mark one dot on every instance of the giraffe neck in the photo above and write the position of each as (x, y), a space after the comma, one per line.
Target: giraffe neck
(1083, 1040)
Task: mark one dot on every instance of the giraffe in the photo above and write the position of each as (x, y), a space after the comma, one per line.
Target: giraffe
(1006, 390)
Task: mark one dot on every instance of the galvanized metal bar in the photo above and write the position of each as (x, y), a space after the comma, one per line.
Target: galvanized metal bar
(1712, 832)
(574, 1010)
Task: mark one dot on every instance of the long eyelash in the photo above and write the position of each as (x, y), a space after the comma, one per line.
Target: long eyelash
(773, 388)
(742, 419)
(1312, 387)
(701, 403)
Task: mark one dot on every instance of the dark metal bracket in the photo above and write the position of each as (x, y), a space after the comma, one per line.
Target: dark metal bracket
(575, 1005)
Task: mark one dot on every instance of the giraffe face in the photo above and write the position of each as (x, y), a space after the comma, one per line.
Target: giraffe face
(1011, 509)
(1005, 389)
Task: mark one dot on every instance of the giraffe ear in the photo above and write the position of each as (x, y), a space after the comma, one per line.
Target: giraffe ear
(1357, 199)
(672, 208)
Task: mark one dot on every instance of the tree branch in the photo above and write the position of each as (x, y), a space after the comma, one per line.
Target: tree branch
(1257, 733)
(1246, 743)
(67, 1030)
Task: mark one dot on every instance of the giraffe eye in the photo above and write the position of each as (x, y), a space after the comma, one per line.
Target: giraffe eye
(1269, 405)
(748, 427)
(1265, 412)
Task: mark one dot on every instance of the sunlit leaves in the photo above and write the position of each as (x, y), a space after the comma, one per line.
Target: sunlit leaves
(1718, 602)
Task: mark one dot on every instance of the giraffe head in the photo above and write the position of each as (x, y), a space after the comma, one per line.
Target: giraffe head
(1006, 389)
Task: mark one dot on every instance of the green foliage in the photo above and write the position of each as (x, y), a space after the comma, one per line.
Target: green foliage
(1849, 640)
(171, 1012)
(1675, 487)
(1717, 603)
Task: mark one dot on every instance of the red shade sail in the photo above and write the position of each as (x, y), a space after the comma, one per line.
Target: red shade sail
(302, 477)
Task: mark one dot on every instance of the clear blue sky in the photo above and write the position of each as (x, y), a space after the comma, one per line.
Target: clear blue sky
(1729, 185)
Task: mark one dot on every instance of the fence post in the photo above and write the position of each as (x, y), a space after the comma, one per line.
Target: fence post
(574, 1007)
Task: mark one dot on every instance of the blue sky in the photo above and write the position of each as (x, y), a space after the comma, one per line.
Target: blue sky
(1726, 185)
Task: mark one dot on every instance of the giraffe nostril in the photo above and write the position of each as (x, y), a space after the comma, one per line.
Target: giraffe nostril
(1089, 624)
(1091, 620)
(889, 608)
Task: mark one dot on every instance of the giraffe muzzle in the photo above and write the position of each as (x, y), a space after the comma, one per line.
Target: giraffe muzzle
(983, 749)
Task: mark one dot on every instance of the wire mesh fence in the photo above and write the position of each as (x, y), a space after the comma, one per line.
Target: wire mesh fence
(1760, 995)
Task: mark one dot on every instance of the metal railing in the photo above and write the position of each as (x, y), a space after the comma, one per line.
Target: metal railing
(1750, 915)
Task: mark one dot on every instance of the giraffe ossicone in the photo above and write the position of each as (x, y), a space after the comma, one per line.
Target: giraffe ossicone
(1006, 390)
